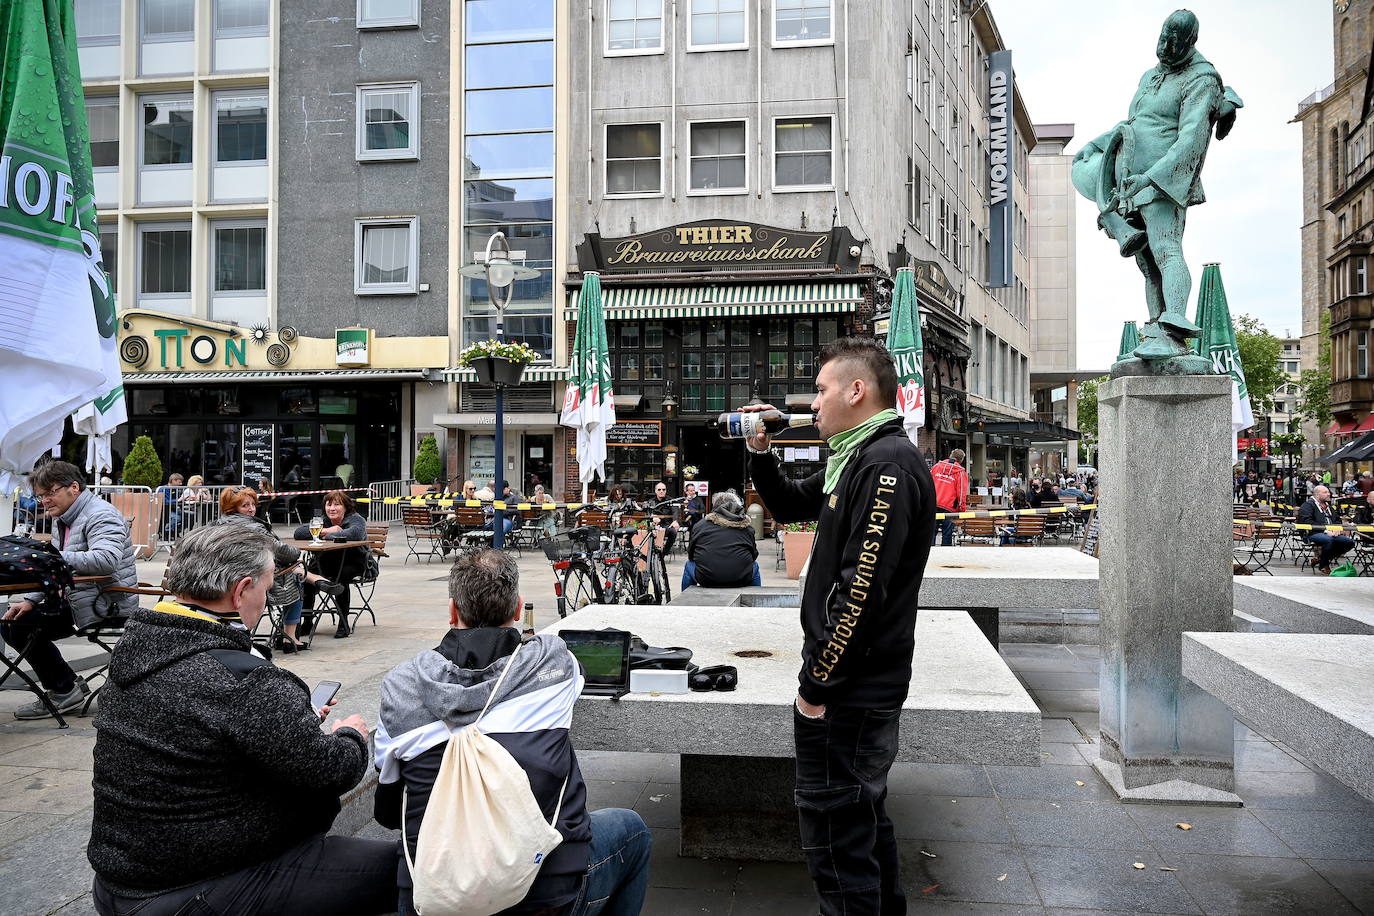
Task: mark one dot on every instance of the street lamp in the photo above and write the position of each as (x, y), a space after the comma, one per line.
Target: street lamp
(500, 274)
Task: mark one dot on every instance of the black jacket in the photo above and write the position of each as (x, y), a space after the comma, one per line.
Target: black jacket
(724, 551)
(1311, 514)
(206, 764)
(858, 611)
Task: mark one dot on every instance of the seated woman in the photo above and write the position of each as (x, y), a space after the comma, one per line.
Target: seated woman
(240, 504)
(722, 553)
(342, 566)
(548, 519)
(619, 502)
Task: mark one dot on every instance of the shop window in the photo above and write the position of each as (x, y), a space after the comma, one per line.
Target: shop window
(388, 14)
(691, 398)
(777, 332)
(691, 334)
(634, 27)
(739, 396)
(653, 335)
(804, 333)
(629, 335)
(629, 367)
(691, 365)
(167, 130)
(718, 159)
(777, 395)
(828, 330)
(715, 334)
(739, 333)
(388, 121)
(715, 364)
(804, 365)
(386, 255)
(777, 364)
(715, 398)
(717, 25)
(653, 368)
(803, 22)
(739, 365)
(802, 153)
(634, 159)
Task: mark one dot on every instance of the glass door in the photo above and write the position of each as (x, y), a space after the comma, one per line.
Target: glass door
(537, 452)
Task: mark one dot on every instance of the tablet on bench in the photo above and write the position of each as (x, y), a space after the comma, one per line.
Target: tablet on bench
(605, 659)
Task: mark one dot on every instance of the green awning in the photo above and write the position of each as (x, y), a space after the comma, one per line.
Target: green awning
(721, 301)
(532, 374)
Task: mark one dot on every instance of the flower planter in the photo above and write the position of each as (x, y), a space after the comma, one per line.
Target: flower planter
(796, 548)
(497, 370)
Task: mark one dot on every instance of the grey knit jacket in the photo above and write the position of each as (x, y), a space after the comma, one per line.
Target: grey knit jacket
(94, 538)
(206, 764)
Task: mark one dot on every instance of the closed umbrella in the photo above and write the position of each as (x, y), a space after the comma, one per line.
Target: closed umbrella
(57, 316)
(908, 351)
(1217, 342)
(589, 402)
(1130, 339)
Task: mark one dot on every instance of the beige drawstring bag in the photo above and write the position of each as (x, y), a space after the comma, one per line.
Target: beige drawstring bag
(483, 838)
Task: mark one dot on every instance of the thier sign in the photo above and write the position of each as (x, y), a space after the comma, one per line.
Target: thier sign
(636, 433)
(717, 243)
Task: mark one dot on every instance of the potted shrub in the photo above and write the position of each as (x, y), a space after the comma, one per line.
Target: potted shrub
(142, 468)
(797, 539)
(427, 467)
(498, 363)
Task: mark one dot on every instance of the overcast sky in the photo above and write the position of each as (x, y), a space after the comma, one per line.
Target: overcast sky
(1078, 61)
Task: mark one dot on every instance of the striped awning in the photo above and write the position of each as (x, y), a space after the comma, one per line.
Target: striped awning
(532, 374)
(268, 375)
(716, 301)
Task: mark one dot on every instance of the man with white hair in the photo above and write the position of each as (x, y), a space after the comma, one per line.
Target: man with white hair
(214, 785)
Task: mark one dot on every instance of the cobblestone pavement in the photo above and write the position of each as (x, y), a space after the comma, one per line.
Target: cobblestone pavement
(1002, 841)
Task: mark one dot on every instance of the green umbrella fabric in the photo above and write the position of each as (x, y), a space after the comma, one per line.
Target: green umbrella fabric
(1130, 339)
(908, 352)
(589, 402)
(1217, 342)
(57, 316)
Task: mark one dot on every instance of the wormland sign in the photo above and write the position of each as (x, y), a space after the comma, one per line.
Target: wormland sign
(1001, 169)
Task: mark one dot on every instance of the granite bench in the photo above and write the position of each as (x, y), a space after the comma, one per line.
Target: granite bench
(964, 706)
(1303, 604)
(1315, 692)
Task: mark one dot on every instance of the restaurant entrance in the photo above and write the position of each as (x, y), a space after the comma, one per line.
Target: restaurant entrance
(720, 462)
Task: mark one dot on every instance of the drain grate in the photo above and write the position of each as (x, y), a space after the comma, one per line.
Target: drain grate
(753, 653)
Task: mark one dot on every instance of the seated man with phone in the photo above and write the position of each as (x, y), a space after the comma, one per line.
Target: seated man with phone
(601, 861)
(214, 785)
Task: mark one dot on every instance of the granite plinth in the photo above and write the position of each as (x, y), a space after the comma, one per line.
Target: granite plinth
(1310, 605)
(1165, 568)
(1313, 692)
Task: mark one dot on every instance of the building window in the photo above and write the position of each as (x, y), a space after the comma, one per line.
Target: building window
(804, 22)
(386, 255)
(1361, 276)
(387, 14)
(944, 227)
(802, 153)
(389, 121)
(718, 156)
(240, 257)
(97, 22)
(717, 25)
(1361, 354)
(241, 18)
(102, 117)
(634, 26)
(168, 20)
(634, 159)
(164, 260)
(240, 127)
(109, 252)
(167, 130)
(955, 254)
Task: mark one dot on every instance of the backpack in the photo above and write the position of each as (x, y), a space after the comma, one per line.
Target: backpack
(483, 838)
(30, 560)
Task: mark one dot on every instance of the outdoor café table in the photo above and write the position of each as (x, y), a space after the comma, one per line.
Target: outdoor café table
(326, 547)
(10, 666)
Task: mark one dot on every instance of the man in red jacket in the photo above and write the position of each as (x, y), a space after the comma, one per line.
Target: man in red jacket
(951, 492)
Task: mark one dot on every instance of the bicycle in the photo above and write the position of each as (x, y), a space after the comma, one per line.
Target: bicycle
(590, 567)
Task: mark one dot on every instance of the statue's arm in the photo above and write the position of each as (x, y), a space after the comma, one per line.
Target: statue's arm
(1176, 170)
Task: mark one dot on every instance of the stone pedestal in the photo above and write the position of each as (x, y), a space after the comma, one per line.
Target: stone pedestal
(1166, 454)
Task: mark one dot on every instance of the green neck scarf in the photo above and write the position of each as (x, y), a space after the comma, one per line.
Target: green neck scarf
(845, 444)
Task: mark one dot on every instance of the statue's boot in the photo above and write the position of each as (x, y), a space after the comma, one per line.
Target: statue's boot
(1178, 324)
(1157, 343)
(1131, 239)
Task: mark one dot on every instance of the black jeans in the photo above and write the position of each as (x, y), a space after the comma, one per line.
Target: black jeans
(851, 852)
(341, 876)
(45, 658)
(341, 568)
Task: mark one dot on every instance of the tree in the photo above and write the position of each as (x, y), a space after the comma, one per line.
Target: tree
(427, 467)
(1087, 416)
(1261, 360)
(1316, 383)
(143, 468)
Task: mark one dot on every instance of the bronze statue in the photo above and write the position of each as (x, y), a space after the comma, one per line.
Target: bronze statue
(1145, 173)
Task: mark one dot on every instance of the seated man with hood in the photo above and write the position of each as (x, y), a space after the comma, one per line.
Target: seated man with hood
(723, 553)
(602, 864)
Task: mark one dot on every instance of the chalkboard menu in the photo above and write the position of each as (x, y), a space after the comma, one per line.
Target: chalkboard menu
(1092, 529)
(641, 433)
(259, 447)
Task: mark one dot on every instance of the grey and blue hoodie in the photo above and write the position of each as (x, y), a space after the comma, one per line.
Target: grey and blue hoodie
(442, 690)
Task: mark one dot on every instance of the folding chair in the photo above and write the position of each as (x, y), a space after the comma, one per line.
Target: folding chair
(1257, 548)
(104, 633)
(14, 665)
(421, 528)
(367, 584)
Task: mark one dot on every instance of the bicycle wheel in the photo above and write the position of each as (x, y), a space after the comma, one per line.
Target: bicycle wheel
(579, 587)
(658, 572)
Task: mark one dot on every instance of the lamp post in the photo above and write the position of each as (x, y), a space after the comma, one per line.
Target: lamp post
(500, 274)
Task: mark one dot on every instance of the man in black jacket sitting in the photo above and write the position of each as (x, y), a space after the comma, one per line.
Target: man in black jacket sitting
(1319, 511)
(722, 553)
(214, 785)
(875, 502)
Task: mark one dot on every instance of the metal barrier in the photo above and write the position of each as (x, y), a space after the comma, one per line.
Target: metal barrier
(380, 511)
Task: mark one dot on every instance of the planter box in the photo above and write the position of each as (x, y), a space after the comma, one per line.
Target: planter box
(796, 548)
(497, 370)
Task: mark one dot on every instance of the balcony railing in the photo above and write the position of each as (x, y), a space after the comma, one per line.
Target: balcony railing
(1316, 98)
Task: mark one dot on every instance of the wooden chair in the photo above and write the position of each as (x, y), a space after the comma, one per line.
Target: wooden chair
(1257, 548)
(421, 528)
(366, 584)
(978, 532)
(1028, 532)
(471, 528)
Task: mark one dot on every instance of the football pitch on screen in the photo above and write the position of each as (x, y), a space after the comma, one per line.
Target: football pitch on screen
(599, 661)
